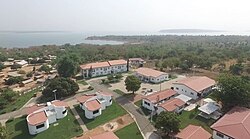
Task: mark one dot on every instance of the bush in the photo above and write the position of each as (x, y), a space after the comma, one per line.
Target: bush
(91, 88)
(10, 120)
(21, 72)
(29, 74)
(13, 80)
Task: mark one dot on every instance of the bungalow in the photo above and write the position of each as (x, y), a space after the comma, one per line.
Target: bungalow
(193, 132)
(173, 105)
(194, 87)
(209, 109)
(21, 63)
(151, 101)
(151, 75)
(105, 135)
(41, 116)
(235, 124)
(93, 104)
(104, 68)
(136, 62)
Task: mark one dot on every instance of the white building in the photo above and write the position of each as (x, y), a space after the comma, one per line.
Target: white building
(150, 102)
(151, 75)
(21, 63)
(173, 105)
(194, 87)
(104, 68)
(41, 116)
(93, 104)
(136, 62)
(235, 124)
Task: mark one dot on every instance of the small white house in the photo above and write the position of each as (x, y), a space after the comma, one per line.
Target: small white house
(93, 104)
(103, 68)
(151, 101)
(21, 63)
(194, 87)
(151, 75)
(40, 117)
(173, 105)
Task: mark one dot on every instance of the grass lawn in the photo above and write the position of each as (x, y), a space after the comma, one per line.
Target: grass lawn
(192, 117)
(83, 82)
(110, 113)
(130, 131)
(19, 102)
(67, 128)
(119, 92)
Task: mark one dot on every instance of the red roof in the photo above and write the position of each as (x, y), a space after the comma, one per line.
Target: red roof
(197, 83)
(59, 103)
(235, 123)
(117, 62)
(37, 118)
(172, 104)
(149, 72)
(34, 108)
(84, 98)
(106, 135)
(158, 96)
(93, 105)
(193, 132)
(95, 65)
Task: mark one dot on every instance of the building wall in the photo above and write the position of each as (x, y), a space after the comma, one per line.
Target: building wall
(59, 112)
(215, 136)
(182, 89)
(150, 106)
(33, 130)
(90, 115)
(159, 79)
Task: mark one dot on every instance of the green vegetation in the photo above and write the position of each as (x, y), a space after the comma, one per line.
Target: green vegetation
(14, 80)
(113, 78)
(68, 65)
(118, 91)
(192, 117)
(83, 82)
(63, 87)
(129, 131)
(18, 102)
(132, 83)
(44, 68)
(3, 132)
(110, 113)
(67, 128)
(1, 66)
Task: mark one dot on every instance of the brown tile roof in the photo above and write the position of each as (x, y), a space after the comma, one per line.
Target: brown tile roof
(106, 135)
(197, 83)
(37, 118)
(235, 123)
(149, 72)
(33, 108)
(59, 103)
(117, 62)
(95, 65)
(193, 132)
(158, 96)
(172, 104)
(84, 98)
(93, 105)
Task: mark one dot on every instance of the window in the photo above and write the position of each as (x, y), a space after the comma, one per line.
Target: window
(219, 134)
(181, 89)
(40, 126)
(110, 100)
(191, 93)
(146, 103)
(177, 88)
(96, 111)
(64, 111)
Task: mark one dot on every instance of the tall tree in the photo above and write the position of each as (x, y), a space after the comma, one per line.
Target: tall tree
(233, 91)
(132, 83)
(236, 69)
(67, 67)
(1, 66)
(167, 122)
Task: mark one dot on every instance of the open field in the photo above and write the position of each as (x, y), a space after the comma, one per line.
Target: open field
(128, 132)
(67, 128)
(110, 113)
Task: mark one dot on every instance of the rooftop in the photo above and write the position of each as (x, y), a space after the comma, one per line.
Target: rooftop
(34, 108)
(93, 105)
(59, 103)
(84, 97)
(237, 118)
(37, 118)
(158, 96)
(117, 62)
(209, 108)
(149, 72)
(136, 59)
(172, 104)
(193, 132)
(197, 83)
(103, 64)
(106, 135)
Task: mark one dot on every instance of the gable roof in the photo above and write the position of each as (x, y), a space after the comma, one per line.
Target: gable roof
(158, 96)
(34, 108)
(59, 103)
(193, 132)
(37, 118)
(136, 59)
(117, 62)
(84, 97)
(106, 135)
(93, 105)
(235, 123)
(149, 72)
(197, 83)
(95, 65)
(172, 104)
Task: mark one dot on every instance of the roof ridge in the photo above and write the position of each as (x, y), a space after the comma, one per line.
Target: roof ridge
(244, 125)
(194, 131)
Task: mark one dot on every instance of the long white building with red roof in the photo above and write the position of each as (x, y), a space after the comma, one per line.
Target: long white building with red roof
(40, 116)
(194, 87)
(151, 75)
(104, 68)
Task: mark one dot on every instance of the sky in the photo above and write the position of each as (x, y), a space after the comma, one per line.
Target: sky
(123, 15)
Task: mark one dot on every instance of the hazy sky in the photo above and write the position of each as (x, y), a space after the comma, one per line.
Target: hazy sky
(124, 15)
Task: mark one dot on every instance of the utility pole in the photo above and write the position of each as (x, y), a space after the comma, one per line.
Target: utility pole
(54, 91)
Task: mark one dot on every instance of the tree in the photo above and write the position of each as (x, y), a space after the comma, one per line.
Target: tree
(3, 132)
(1, 66)
(132, 83)
(67, 67)
(171, 63)
(236, 69)
(233, 91)
(64, 87)
(44, 68)
(13, 80)
(9, 95)
(167, 122)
